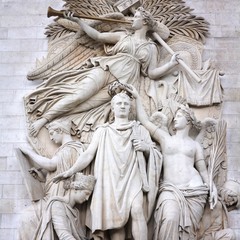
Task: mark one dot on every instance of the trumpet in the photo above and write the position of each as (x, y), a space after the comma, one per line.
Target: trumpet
(55, 13)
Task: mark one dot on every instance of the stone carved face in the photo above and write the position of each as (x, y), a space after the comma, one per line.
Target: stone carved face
(230, 198)
(121, 106)
(230, 194)
(82, 195)
(56, 136)
(138, 21)
(180, 121)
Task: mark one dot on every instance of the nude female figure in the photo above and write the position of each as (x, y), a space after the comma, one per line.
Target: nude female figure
(184, 190)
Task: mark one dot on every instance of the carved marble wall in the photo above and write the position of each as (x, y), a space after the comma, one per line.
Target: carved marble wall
(22, 40)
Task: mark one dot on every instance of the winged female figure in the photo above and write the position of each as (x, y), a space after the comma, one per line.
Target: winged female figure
(76, 80)
(131, 56)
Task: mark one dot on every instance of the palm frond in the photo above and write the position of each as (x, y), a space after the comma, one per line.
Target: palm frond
(178, 18)
(218, 152)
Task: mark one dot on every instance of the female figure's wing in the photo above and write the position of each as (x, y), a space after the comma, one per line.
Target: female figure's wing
(68, 46)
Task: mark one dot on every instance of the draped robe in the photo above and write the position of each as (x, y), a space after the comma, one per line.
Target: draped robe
(116, 169)
(126, 62)
(191, 203)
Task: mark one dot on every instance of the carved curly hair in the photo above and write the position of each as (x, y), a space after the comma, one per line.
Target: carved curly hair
(80, 182)
(147, 16)
(190, 116)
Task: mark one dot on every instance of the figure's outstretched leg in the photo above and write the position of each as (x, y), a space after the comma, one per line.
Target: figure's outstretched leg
(139, 224)
(96, 80)
(167, 217)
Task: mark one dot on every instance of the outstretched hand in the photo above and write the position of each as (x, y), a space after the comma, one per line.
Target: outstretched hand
(62, 176)
(37, 174)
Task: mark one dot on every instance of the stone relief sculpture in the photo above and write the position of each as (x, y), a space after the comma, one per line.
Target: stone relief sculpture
(214, 224)
(63, 159)
(118, 195)
(135, 53)
(185, 181)
(60, 217)
(88, 61)
(73, 55)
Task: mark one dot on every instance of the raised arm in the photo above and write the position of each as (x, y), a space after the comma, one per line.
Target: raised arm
(104, 37)
(155, 72)
(157, 133)
(46, 163)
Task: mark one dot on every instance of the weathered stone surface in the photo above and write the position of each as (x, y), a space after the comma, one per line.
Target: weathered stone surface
(22, 40)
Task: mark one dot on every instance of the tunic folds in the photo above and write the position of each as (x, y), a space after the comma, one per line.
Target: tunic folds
(187, 205)
(60, 94)
(60, 217)
(118, 177)
(67, 155)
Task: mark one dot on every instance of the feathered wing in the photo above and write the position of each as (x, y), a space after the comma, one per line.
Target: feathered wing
(206, 137)
(69, 47)
(90, 7)
(174, 14)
